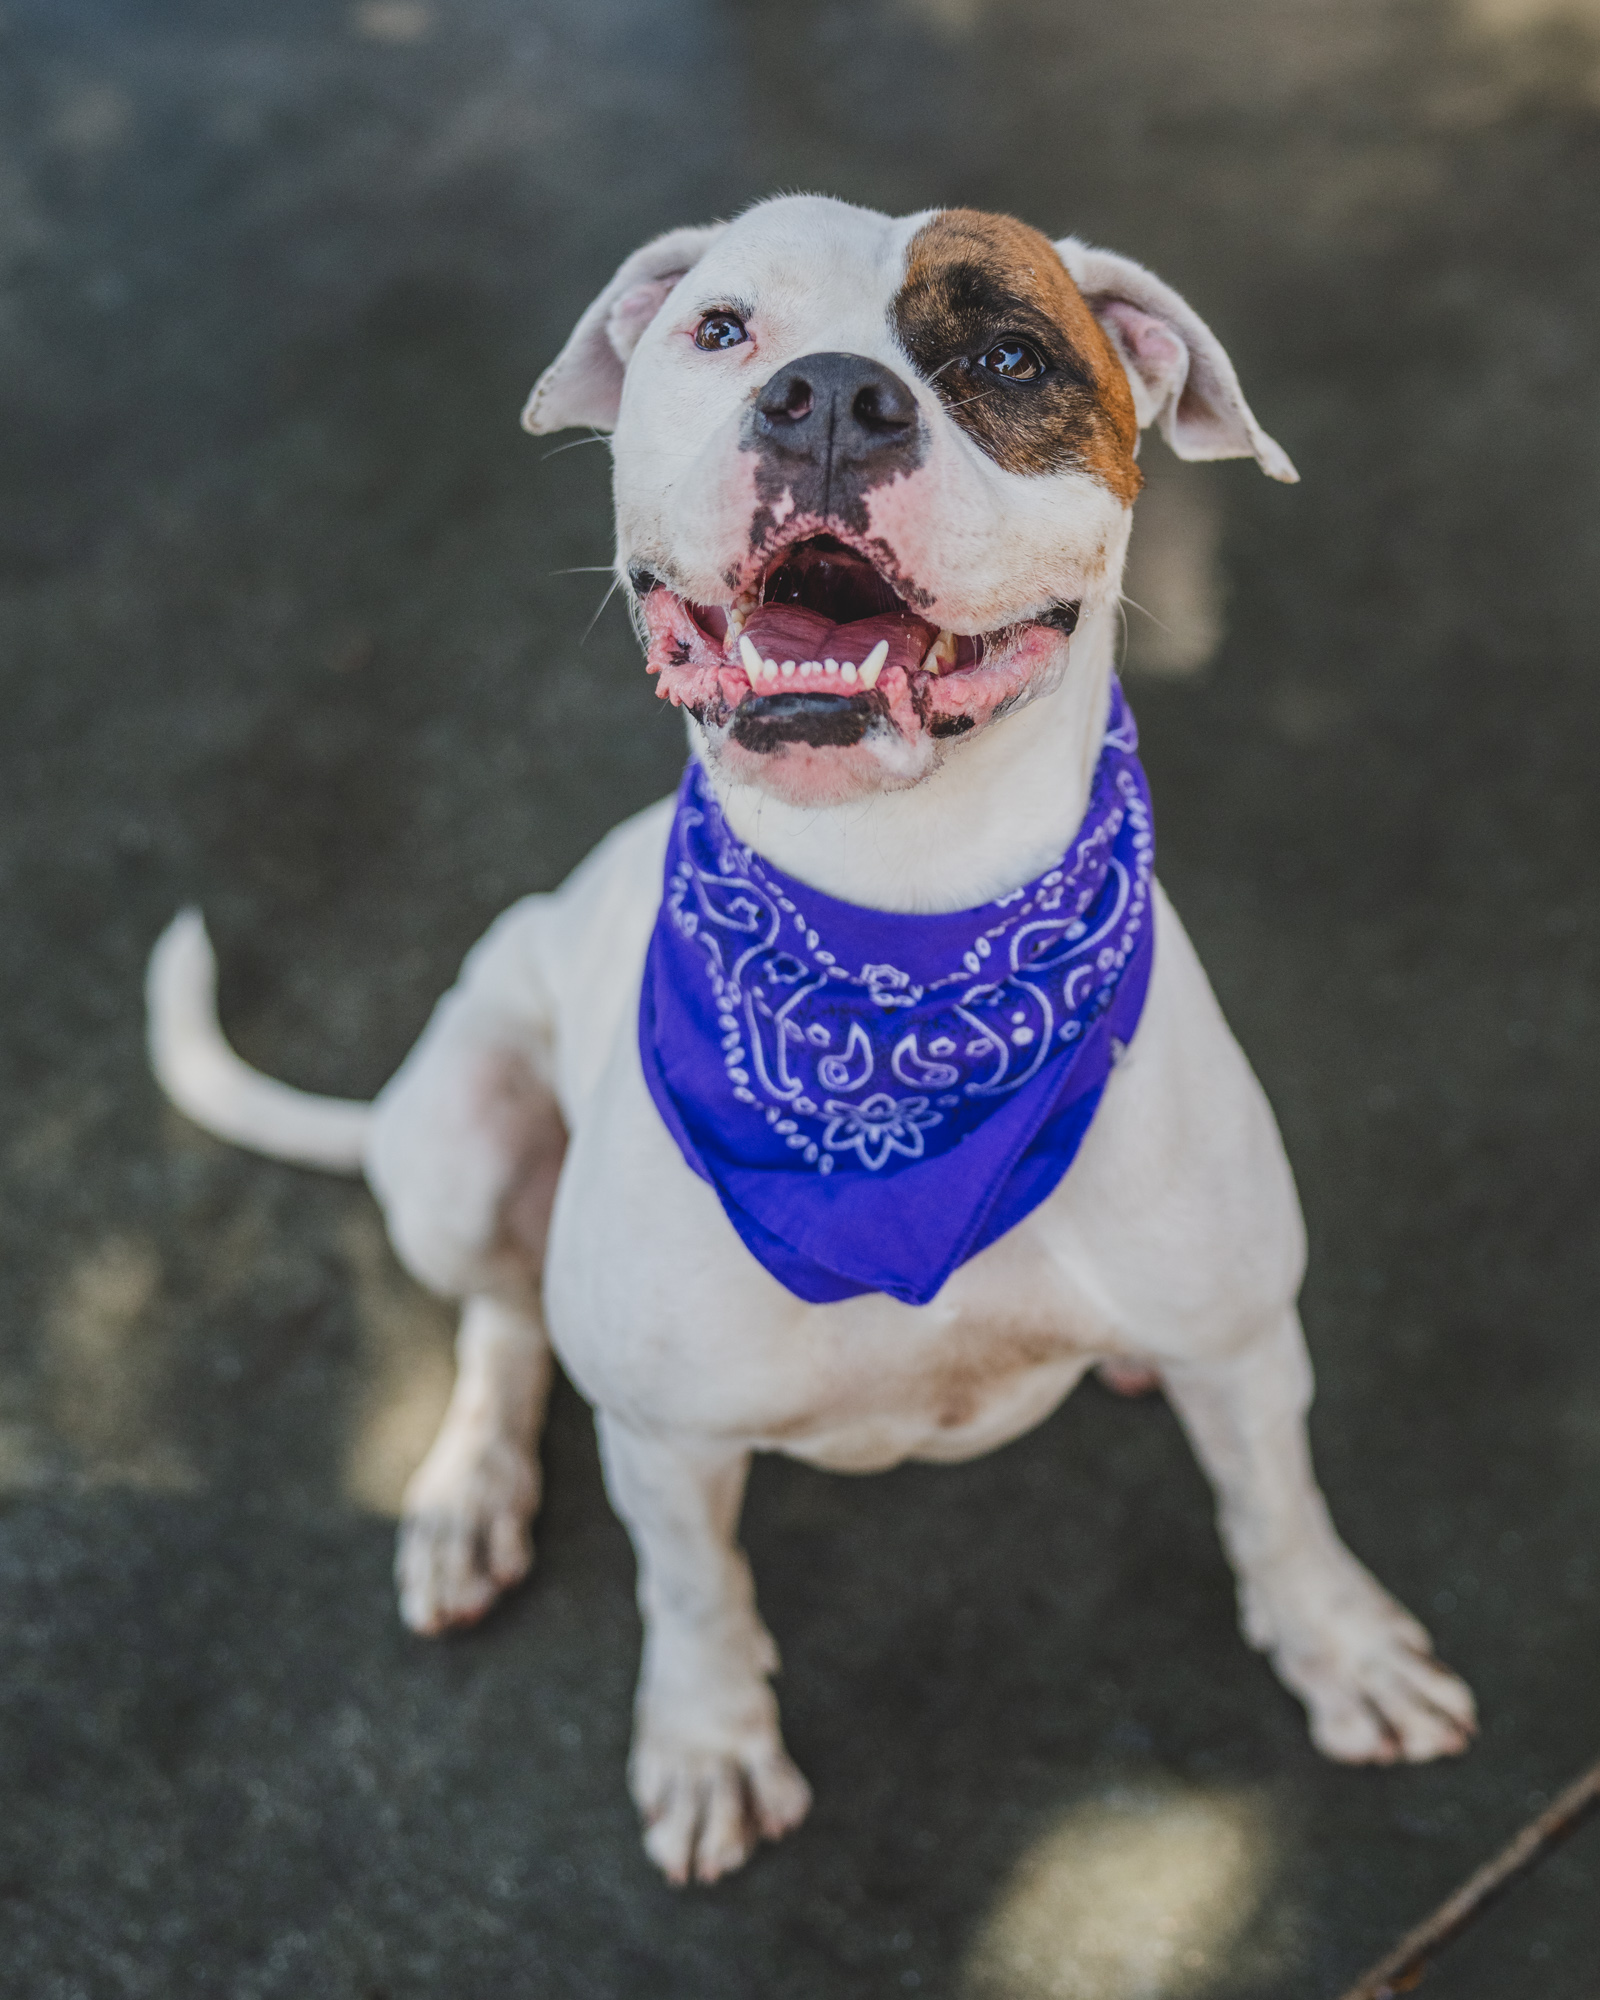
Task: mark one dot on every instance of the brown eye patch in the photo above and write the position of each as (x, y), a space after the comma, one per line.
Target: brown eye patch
(990, 316)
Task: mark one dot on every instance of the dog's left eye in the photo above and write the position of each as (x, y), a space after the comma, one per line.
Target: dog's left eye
(1012, 361)
(719, 330)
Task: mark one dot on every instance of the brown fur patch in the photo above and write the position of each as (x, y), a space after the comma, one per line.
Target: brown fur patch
(973, 277)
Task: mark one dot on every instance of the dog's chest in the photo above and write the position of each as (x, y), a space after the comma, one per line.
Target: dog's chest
(660, 1314)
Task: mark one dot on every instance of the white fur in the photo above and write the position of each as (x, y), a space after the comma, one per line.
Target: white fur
(942, 846)
(988, 545)
(203, 1076)
(1174, 1242)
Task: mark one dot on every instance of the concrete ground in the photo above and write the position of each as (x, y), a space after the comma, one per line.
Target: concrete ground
(293, 622)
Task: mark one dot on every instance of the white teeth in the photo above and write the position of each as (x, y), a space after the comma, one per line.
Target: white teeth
(866, 674)
(941, 655)
(872, 665)
(738, 611)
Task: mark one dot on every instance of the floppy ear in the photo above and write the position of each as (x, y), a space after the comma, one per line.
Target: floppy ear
(1181, 377)
(583, 385)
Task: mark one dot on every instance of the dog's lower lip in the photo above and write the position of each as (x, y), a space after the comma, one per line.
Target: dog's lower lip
(768, 722)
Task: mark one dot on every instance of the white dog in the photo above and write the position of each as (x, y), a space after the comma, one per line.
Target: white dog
(921, 432)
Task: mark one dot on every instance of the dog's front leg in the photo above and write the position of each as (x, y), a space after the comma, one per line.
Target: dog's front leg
(1359, 1661)
(708, 1770)
(467, 1509)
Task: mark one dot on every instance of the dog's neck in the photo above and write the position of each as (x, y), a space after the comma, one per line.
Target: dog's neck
(996, 813)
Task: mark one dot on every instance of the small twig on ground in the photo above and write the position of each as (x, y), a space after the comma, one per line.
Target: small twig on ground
(1401, 1970)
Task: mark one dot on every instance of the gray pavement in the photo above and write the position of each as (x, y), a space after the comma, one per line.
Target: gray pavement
(292, 622)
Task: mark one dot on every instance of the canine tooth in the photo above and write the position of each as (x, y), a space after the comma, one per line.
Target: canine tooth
(787, 669)
(751, 658)
(830, 666)
(872, 665)
(738, 612)
(848, 670)
(941, 654)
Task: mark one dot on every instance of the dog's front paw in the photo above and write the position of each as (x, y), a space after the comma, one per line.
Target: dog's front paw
(1366, 1671)
(704, 1809)
(464, 1531)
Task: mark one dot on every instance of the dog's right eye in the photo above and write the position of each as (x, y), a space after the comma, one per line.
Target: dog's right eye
(719, 330)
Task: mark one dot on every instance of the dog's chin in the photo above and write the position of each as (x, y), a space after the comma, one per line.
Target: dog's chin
(816, 758)
(885, 696)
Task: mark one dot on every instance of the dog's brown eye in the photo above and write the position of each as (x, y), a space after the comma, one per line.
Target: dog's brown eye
(719, 330)
(1012, 361)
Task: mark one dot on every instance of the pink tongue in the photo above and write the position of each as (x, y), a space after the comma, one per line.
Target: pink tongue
(785, 632)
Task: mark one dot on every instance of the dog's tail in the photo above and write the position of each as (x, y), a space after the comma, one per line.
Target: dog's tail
(210, 1084)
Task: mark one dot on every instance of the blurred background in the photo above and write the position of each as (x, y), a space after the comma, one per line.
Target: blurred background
(296, 623)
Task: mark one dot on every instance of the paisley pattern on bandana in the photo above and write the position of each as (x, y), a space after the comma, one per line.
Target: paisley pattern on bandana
(875, 1096)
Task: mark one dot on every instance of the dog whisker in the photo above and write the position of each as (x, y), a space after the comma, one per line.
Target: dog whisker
(1144, 609)
(598, 437)
(980, 396)
(616, 584)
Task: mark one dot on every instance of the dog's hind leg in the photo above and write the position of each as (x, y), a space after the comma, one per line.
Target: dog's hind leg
(464, 1529)
(464, 1152)
(708, 1769)
(1359, 1661)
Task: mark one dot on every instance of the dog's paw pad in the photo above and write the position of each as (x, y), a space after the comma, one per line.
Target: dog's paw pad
(705, 1811)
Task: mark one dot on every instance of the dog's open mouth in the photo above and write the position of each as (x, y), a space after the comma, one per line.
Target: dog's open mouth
(823, 613)
(821, 644)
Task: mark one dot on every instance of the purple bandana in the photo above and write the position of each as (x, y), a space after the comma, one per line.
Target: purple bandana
(876, 1097)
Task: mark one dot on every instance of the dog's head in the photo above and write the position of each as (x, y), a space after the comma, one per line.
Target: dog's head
(872, 473)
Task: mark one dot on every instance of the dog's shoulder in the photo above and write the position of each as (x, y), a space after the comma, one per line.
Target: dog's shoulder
(571, 958)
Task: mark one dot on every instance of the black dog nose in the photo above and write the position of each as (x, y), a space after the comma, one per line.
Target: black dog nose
(839, 411)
